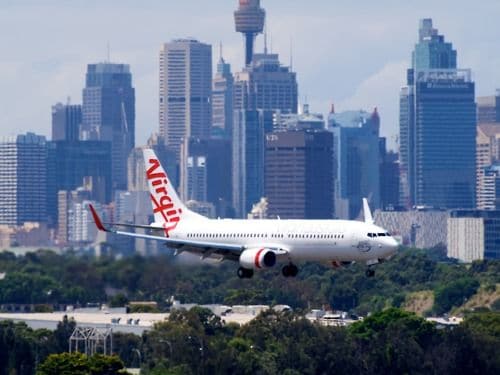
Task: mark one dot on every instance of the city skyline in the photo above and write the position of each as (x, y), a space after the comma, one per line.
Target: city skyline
(361, 68)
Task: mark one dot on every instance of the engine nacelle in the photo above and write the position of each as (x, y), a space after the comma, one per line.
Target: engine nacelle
(257, 258)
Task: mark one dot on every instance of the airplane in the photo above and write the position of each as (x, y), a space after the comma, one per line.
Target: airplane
(256, 244)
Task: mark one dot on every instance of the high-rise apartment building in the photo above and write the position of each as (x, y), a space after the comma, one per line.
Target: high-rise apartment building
(23, 176)
(299, 174)
(222, 100)
(356, 169)
(185, 91)
(66, 121)
(437, 127)
(108, 113)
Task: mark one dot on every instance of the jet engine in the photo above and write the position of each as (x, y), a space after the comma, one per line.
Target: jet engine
(257, 258)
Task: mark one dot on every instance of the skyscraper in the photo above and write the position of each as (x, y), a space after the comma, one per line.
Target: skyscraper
(206, 172)
(66, 121)
(260, 90)
(488, 109)
(185, 90)
(437, 127)
(23, 176)
(299, 174)
(356, 155)
(222, 99)
(108, 113)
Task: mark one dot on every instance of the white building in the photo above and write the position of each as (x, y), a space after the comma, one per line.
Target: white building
(23, 179)
(185, 90)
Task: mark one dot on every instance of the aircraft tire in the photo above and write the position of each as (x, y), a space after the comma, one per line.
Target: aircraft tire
(369, 272)
(286, 271)
(244, 273)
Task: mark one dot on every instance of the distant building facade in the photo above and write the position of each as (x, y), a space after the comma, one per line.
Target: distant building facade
(23, 176)
(222, 100)
(263, 88)
(488, 109)
(108, 114)
(185, 91)
(66, 122)
(206, 173)
(299, 174)
(474, 235)
(356, 169)
(437, 127)
(423, 228)
(389, 176)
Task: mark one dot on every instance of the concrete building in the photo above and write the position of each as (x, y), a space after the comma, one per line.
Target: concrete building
(421, 228)
(185, 91)
(474, 235)
(26, 235)
(487, 154)
(249, 20)
(299, 174)
(488, 192)
(222, 100)
(108, 114)
(437, 127)
(66, 122)
(356, 158)
(488, 109)
(23, 176)
(298, 121)
(81, 227)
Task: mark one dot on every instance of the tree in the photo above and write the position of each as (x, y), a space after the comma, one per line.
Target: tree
(79, 364)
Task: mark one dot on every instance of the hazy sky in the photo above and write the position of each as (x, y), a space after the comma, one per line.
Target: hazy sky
(352, 53)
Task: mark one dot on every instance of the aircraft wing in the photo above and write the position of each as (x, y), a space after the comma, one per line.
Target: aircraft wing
(203, 249)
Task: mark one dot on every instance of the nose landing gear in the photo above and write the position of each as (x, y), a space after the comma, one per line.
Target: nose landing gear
(370, 272)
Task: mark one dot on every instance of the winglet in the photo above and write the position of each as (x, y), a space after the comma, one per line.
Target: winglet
(366, 212)
(97, 219)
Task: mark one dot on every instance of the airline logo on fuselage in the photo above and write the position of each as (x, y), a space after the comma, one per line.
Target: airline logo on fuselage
(161, 199)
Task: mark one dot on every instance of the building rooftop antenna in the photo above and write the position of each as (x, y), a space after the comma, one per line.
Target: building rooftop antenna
(108, 53)
(265, 38)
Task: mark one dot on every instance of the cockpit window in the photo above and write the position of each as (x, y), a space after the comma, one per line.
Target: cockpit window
(387, 234)
(381, 234)
(372, 235)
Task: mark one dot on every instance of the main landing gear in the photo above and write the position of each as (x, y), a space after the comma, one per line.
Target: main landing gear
(290, 270)
(244, 273)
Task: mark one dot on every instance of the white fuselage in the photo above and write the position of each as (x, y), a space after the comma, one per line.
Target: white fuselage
(304, 240)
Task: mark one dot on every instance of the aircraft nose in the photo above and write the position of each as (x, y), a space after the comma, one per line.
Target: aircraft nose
(393, 245)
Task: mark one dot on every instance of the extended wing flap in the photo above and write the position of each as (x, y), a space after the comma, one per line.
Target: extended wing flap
(227, 251)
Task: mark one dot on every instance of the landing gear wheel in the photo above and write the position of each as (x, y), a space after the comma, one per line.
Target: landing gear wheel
(244, 273)
(369, 272)
(290, 270)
